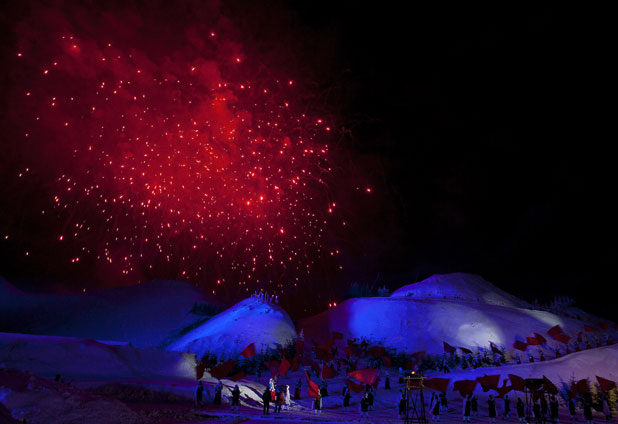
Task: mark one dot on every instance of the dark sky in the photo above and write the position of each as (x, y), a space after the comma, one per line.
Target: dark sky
(484, 130)
(479, 130)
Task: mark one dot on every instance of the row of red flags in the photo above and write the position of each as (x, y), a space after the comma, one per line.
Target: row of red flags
(537, 339)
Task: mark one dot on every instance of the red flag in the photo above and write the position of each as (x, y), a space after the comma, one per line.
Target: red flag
(222, 370)
(605, 326)
(284, 366)
(582, 387)
(312, 388)
(377, 351)
(554, 331)
(517, 383)
(337, 335)
(448, 348)
(589, 328)
(438, 384)
(464, 350)
(563, 338)
(520, 345)
(504, 389)
(295, 364)
(606, 385)
(273, 367)
(540, 338)
(464, 387)
(356, 388)
(494, 348)
(387, 361)
(533, 341)
(238, 376)
(549, 387)
(249, 351)
(328, 372)
(367, 376)
(489, 382)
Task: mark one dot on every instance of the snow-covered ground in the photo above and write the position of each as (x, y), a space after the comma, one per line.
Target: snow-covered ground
(460, 310)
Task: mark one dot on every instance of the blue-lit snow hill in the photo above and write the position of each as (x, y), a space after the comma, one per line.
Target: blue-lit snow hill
(462, 310)
(228, 333)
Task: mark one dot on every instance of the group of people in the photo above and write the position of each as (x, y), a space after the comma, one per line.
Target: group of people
(277, 394)
(264, 297)
(543, 410)
(199, 395)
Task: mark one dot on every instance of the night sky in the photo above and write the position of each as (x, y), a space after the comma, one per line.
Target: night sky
(464, 139)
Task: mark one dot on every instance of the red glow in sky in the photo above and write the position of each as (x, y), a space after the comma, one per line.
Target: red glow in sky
(171, 152)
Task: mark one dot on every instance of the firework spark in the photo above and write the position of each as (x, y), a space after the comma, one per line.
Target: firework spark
(172, 151)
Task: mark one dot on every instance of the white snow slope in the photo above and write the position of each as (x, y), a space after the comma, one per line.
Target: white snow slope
(145, 315)
(587, 364)
(249, 321)
(473, 314)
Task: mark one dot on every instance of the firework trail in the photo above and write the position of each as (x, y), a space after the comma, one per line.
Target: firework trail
(166, 150)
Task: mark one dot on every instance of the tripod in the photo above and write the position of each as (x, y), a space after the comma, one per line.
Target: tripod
(415, 403)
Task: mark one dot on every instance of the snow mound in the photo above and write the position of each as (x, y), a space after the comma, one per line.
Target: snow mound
(411, 325)
(145, 315)
(459, 286)
(249, 321)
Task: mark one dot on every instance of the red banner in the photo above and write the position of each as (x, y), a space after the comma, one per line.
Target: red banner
(312, 388)
(589, 328)
(387, 361)
(464, 387)
(367, 376)
(540, 338)
(448, 348)
(249, 351)
(582, 387)
(554, 331)
(494, 348)
(356, 388)
(549, 387)
(438, 384)
(222, 370)
(517, 382)
(328, 372)
(489, 382)
(520, 345)
(606, 385)
(605, 326)
(563, 338)
(533, 341)
(466, 351)
(284, 366)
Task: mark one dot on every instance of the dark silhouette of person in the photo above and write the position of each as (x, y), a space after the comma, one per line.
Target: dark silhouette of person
(266, 400)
